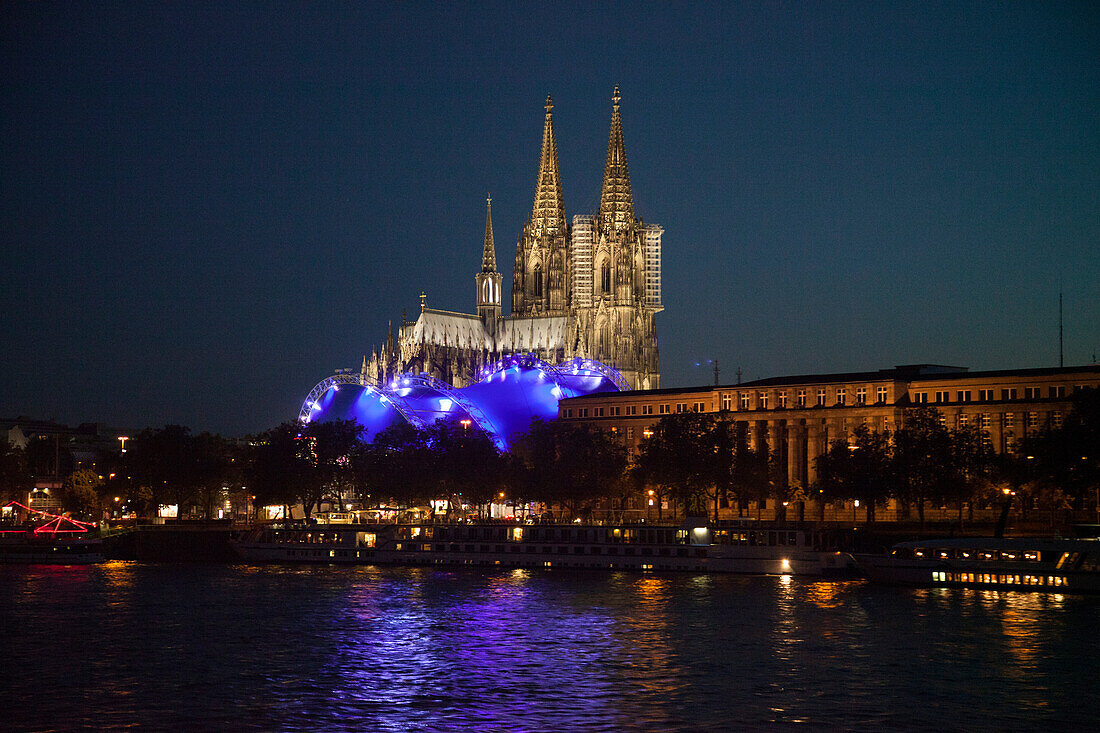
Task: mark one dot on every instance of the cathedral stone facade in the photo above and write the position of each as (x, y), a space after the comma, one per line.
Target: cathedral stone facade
(589, 289)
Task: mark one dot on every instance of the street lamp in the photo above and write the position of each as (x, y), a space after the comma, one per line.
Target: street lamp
(122, 439)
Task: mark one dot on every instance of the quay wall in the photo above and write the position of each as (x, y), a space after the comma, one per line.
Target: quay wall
(173, 544)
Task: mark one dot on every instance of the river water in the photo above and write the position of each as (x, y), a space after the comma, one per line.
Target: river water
(280, 647)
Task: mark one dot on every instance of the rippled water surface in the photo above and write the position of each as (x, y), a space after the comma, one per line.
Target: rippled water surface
(399, 649)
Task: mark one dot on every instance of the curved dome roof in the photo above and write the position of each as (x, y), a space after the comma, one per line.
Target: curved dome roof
(503, 402)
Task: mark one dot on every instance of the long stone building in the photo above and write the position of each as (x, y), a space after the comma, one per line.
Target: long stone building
(799, 416)
(588, 289)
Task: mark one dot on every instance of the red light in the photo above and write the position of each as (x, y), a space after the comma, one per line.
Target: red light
(54, 525)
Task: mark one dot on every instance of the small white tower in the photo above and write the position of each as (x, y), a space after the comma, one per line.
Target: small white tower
(489, 280)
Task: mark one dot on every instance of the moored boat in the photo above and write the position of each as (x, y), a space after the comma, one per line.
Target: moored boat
(29, 548)
(692, 546)
(1011, 563)
(57, 540)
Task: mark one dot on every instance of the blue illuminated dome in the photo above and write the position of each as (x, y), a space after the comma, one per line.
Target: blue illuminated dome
(502, 402)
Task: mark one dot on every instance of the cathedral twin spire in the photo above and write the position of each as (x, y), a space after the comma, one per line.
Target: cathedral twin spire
(552, 271)
(548, 212)
(616, 199)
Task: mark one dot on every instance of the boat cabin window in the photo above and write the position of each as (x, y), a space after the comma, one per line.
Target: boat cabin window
(1068, 560)
(1090, 562)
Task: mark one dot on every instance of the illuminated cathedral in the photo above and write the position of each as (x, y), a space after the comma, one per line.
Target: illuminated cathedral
(585, 290)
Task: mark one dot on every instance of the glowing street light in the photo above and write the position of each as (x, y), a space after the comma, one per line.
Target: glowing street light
(122, 439)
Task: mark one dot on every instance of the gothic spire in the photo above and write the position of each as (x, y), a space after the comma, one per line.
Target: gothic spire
(616, 200)
(489, 254)
(548, 212)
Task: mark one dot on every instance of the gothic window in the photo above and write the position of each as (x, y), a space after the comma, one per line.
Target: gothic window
(538, 281)
(605, 278)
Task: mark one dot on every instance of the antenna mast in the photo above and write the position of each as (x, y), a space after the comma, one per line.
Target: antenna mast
(1061, 360)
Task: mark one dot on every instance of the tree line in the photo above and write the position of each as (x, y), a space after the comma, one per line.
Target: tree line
(330, 464)
(696, 463)
(703, 461)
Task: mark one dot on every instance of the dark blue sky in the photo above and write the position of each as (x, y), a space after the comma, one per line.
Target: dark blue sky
(205, 209)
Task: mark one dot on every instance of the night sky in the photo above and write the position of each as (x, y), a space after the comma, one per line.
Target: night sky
(205, 208)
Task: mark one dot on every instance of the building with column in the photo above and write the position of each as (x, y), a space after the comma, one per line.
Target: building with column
(799, 416)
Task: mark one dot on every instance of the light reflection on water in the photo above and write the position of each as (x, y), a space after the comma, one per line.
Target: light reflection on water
(303, 648)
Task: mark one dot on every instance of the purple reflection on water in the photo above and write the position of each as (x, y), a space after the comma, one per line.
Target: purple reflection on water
(394, 649)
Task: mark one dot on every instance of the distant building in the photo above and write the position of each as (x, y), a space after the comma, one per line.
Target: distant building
(54, 451)
(590, 290)
(799, 416)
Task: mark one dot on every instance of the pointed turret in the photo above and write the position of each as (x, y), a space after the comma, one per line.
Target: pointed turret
(540, 281)
(548, 212)
(488, 280)
(489, 253)
(616, 199)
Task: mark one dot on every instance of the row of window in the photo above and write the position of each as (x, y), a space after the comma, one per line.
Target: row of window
(632, 410)
(763, 400)
(605, 280)
(782, 400)
(939, 576)
(982, 420)
(1008, 394)
(802, 396)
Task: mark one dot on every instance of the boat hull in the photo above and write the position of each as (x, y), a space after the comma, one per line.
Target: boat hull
(59, 553)
(1044, 565)
(499, 547)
